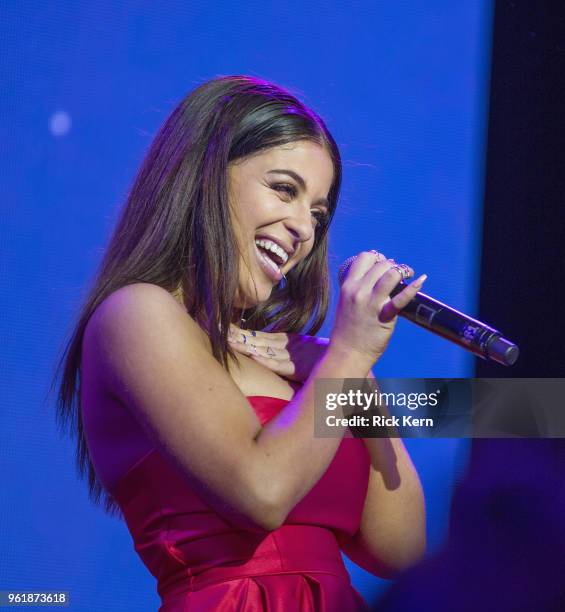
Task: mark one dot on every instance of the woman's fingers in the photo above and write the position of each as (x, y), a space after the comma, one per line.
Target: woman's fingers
(390, 278)
(273, 359)
(384, 276)
(402, 299)
(364, 298)
(284, 368)
(363, 263)
(379, 280)
(258, 347)
(258, 338)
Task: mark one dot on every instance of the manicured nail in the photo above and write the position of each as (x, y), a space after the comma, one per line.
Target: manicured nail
(420, 281)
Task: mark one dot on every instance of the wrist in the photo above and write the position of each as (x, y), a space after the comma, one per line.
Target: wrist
(354, 364)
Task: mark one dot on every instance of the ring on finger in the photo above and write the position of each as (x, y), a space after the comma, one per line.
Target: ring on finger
(402, 269)
(380, 256)
(406, 270)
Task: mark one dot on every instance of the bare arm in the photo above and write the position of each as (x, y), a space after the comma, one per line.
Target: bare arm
(152, 356)
(155, 359)
(392, 534)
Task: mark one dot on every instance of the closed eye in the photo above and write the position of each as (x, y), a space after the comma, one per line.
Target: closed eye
(321, 216)
(286, 187)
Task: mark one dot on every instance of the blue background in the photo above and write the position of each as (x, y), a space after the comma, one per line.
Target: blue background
(403, 86)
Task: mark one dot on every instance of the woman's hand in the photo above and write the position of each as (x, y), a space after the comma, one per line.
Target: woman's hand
(365, 319)
(366, 313)
(291, 356)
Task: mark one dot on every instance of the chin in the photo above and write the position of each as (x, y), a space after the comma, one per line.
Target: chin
(250, 298)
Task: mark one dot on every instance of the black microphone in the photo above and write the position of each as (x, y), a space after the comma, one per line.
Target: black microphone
(474, 336)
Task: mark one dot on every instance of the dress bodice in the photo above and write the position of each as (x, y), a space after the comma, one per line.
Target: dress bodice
(189, 545)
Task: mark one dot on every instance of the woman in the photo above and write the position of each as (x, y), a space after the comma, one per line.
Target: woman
(196, 426)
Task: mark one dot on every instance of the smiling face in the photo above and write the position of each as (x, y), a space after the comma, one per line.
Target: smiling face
(277, 198)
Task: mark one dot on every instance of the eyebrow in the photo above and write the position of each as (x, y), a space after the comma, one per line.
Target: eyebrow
(301, 182)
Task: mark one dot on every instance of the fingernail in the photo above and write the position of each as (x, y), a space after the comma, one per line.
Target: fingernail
(420, 281)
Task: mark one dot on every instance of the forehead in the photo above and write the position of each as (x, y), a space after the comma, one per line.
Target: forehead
(309, 159)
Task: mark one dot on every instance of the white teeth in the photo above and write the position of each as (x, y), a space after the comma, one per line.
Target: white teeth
(270, 262)
(274, 247)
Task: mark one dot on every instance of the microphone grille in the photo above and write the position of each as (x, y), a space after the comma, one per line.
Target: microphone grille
(344, 268)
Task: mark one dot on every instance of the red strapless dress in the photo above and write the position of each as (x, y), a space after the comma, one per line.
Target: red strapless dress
(202, 561)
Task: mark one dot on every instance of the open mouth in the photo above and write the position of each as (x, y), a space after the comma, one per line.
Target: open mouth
(271, 257)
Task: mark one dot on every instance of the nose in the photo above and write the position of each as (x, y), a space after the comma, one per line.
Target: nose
(299, 223)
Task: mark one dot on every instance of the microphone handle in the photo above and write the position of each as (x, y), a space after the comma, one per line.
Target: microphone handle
(470, 334)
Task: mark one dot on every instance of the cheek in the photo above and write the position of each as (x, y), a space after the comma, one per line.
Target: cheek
(243, 220)
(252, 214)
(307, 248)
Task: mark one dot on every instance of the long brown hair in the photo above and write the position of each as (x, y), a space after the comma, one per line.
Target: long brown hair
(175, 230)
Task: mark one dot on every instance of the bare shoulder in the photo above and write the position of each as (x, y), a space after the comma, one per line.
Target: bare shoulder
(155, 359)
(139, 301)
(133, 299)
(134, 318)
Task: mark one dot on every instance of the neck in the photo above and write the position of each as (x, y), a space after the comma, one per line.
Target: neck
(237, 316)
